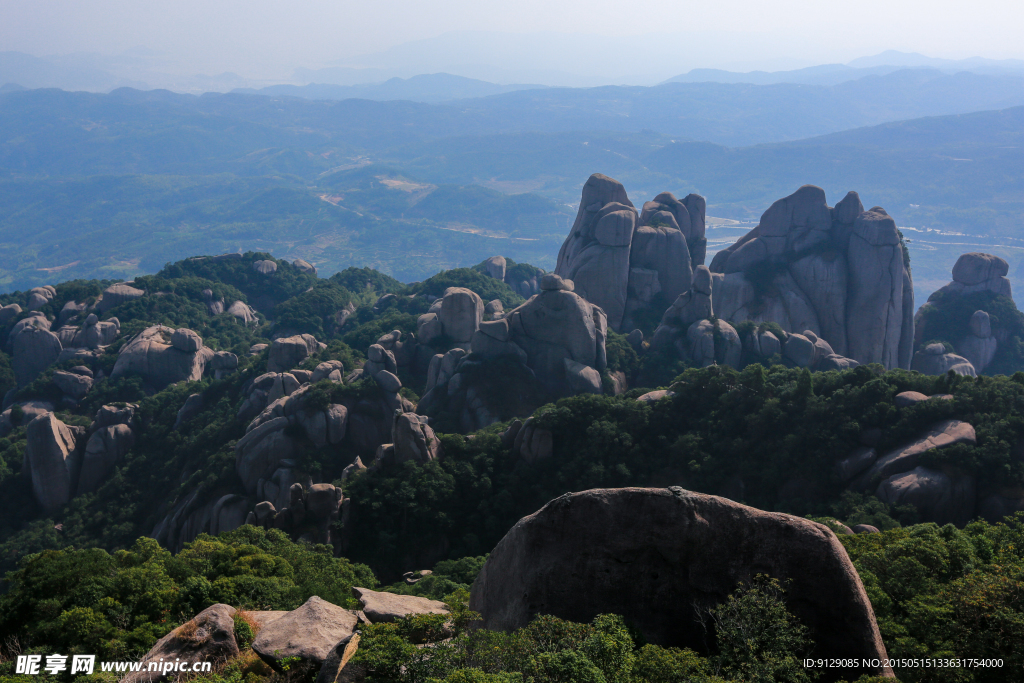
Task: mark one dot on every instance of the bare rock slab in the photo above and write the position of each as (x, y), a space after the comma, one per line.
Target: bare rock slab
(387, 607)
(309, 633)
(656, 555)
(209, 637)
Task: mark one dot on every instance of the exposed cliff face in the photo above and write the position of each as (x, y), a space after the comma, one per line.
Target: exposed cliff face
(837, 271)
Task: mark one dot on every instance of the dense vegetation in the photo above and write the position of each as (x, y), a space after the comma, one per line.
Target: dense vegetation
(769, 437)
(116, 605)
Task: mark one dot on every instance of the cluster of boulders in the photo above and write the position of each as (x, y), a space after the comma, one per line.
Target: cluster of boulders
(553, 345)
(975, 350)
(496, 267)
(652, 555)
(306, 514)
(282, 422)
(690, 328)
(63, 461)
(161, 355)
(946, 494)
(840, 272)
(620, 260)
(318, 639)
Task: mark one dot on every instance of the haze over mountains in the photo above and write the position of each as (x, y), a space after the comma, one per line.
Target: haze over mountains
(417, 174)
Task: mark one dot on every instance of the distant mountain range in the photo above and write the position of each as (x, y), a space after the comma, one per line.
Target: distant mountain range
(112, 185)
(430, 88)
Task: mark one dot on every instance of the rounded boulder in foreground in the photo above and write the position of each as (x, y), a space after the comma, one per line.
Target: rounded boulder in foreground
(658, 556)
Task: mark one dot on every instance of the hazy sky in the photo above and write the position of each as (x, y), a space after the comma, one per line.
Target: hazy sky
(267, 38)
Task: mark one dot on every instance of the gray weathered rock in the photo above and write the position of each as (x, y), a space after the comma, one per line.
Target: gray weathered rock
(858, 461)
(907, 457)
(152, 355)
(115, 295)
(243, 312)
(74, 385)
(309, 633)
(304, 266)
(555, 325)
(975, 268)
(595, 255)
(52, 465)
(615, 548)
(937, 496)
(186, 340)
(906, 399)
(208, 637)
(388, 381)
(288, 352)
(265, 267)
(385, 608)
(533, 443)
(104, 449)
(495, 267)
(192, 406)
(652, 396)
(414, 439)
(582, 379)
(461, 312)
(9, 312)
(332, 370)
(930, 363)
(35, 350)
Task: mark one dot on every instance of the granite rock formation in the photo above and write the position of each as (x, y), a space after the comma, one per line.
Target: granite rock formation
(659, 557)
(973, 274)
(620, 259)
(837, 271)
(163, 356)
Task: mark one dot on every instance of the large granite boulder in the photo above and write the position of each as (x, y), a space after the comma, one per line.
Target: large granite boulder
(556, 325)
(207, 637)
(657, 555)
(908, 456)
(974, 273)
(35, 349)
(115, 295)
(288, 352)
(244, 312)
(595, 255)
(414, 439)
(388, 607)
(105, 448)
(457, 315)
(309, 633)
(937, 496)
(933, 360)
(53, 465)
(621, 260)
(154, 355)
(839, 272)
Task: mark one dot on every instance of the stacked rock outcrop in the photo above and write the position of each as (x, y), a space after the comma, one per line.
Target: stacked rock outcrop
(839, 272)
(307, 516)
(62, 461)
(163, 356)
(973, 274)
(523, 284)
(653, 554)
(902, 476)
(553, 345)
(456, 315)
(691, 329)
(619, 259)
